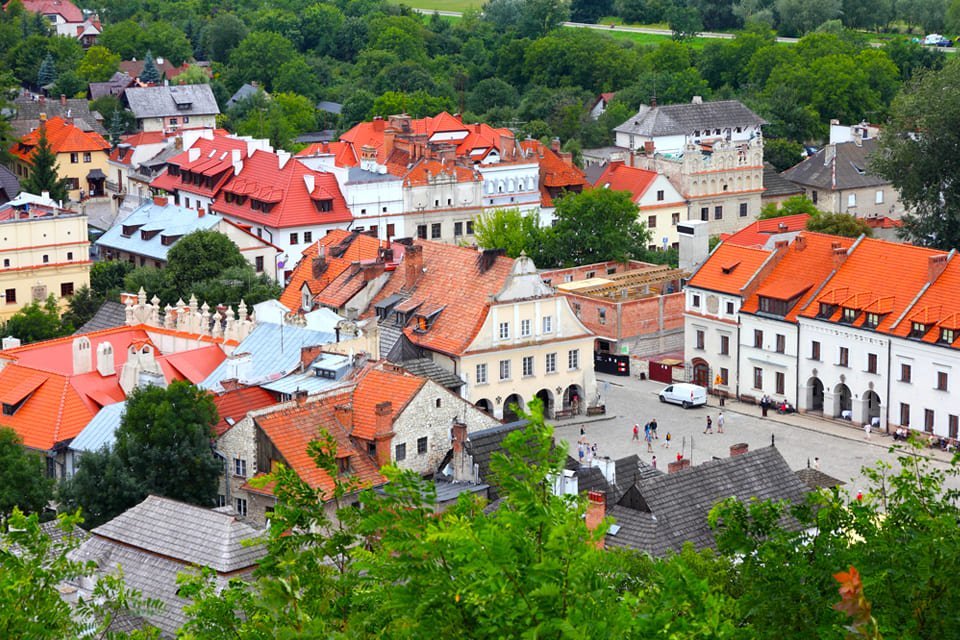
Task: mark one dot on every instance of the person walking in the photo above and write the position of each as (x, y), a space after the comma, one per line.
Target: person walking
(764, 404)
(866, 430)
(709, 428)
(666, 440)
(649, 439)
(720, 423)
(653, 429)
(654, 462)
(636, 432)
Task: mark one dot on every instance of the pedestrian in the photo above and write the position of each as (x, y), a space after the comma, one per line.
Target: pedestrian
(764, 403)
(666, 440)
(653, 429)
(679, 456)
(866, 430)
(593, 450)
(709, 428)
(720, 423)
(654, 462)
(723, 397)
(649, 440)
(580, 452)
(583, 435)
(816, 464)
(636, 432)
(646, 430)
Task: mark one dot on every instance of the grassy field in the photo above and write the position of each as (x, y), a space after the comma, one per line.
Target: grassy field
(442, 5)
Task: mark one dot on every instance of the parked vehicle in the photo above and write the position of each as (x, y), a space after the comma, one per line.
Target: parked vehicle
(686, 395)
(784, 407)
(937, 40)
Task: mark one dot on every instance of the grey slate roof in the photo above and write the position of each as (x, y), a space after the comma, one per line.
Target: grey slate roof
(244, 92)
(9, 185)
(101, 429)
(683, 119)
(775, 185)
(816, 479)
(330, 107)
(673, 507)
(482, 445)
(28, 113)
(167, 221)
(851, 161)
(427, 368)
(164, 101)
(110, 314)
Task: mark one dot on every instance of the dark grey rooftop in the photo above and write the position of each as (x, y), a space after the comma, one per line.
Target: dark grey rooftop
(9, 185)
(483, 444)
(28, 112)
(164, 101)
(836, 167)
(775, 185)
(427, 368)
(816, 479)
(684, 119)
(110, 314)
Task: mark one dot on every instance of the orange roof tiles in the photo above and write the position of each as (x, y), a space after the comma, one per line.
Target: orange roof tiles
(378, 384)
(64, 8)
(555, 172)
(232, 406)
(285, 188)
(619, 177)
(451, 278)
(213, 162)
(759, 232)
(63, 137)
(937, 306)
(805, 265)
(20, 389)
(729, 268)
(292, 429)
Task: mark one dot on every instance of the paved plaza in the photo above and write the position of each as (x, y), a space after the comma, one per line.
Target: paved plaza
(842, 448)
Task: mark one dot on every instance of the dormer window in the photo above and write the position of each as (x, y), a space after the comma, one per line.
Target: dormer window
(343, 465)
(168, 240)
(329, 374)
(129, 229)
(872, 320)
(826, 310)
(849, 315)
(10, 409)
(918, 329)
(148, 235)
(323, 206)
(772, 306)
(947, 336)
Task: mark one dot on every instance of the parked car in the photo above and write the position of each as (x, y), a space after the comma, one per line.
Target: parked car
(937, 40)
(684, 394)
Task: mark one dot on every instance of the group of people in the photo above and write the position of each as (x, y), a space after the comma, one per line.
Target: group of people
(720, 421)
(586, 451)
(650, 434)
(780, 406)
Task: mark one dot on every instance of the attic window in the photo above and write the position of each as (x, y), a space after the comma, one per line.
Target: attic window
(947, 336)
(129, 229)
(728, 268)
(343, 465)
(917, 330)
(323, 206)
(259, 205)
(826, 310)
(325, 373)
(10, 409)
(849, 315)
(774, 306)
(873, 319)
(169, 240)
(148, 235)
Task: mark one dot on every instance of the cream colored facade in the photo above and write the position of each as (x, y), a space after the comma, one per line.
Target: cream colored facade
(42, 255)
(530, 344)
(75, 167)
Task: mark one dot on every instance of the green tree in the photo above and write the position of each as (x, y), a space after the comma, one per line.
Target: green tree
(102, 488)
(44, 171)
(797, 17)
(69, 84)
(167, 41)
(789, 207)
(490, 93)
(259, 55)
(595, 226)
(106, 278)
(201, 255)
(23, 481)
(194, 74)
(839, 224)
(48, 72)
(150, 73)
(224, 32)
(918, 155)
(781, 153)
(37, 322)
(98, 64)
(123, 38)
(164, 442)
(83, 304)
(530, 18)
(685, 22)
(510, 230)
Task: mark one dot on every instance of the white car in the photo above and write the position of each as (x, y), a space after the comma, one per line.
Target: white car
(684, 394)
(934, 39)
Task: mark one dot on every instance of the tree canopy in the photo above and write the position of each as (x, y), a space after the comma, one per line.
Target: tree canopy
(37, 322)
(23, 481)
(43, 171)
(594, 226)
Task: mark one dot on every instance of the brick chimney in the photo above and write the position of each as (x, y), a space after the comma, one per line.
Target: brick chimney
(413, 261)
(160, 201)
(230, 384)
(555, 145)
(935, 266)
(839, 255)
(201, 212)
(383, 434)
(459, 434)
(649, 147)
(372, 271)
(508, 146)
(596, 511)
(309, 354)
(344, 415)
(678, 465)
(63, 100)
(300, 396)
(739, 449)
(800, 243)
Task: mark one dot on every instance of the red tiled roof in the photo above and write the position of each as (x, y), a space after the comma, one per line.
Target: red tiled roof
(213, 161)
(875, 269)
(63, 137)
(197, 364)
(729, 268)
(883, 222)
(64, 8)
(554, 171)
(619, 177)
(292, 429)
(805, 265)
(321, 148)
(355, 247)
(757, 233)
(263, 179)
(452, 279)
(134, 68)
(377, 384)
(421, 172)
(232, 406)
(938, 307)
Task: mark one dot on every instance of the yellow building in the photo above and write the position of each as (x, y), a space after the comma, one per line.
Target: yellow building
(81, 156)
(43, 250)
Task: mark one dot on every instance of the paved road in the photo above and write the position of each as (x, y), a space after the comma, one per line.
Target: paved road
(842, 449)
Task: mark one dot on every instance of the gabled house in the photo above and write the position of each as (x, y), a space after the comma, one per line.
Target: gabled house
(115, 86)
(600, 104)
(66, 19)
(170, 108)
(168, 71)
(81, 156)
(558, 175)
(662, 207)
(30, 110)
(765, 234)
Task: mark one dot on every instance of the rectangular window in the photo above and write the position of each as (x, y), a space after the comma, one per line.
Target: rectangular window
(241, 504)
(240, 467)
(757, 378)
(651, 222)
(548, 324)
(695, 301)
(422, 445)
(724, 345)
(743, 209)
(904, 414)
(435, 230)
(308, 236)
(730, 310)
(551, 363)
(700, 338)
(481, 374)
(87, 157)
(258, 262)
(602, 316)
(781, 381)
(871, 363)
(422, 231)
(400, 452)
(815, 197)
(724, 376)
(906, 372)
(469, 227)
(781, 343)
(943, 380)
(573, 359)
(878, 199)
(74, 158)
(872, 320)
(527, 366)
(718, 213)
(504, 331)
(704, 213)
(391, 230)
(294, 238)
(11, 296)
(66, 289)
(504, 369)
(844, 359)
(947, 336)
(457, 229)
(928, 418)
(660, 195)
(953, 425)
(758, 338)
(674, 219)
(852, 200)
(221, 500)
(525, 328)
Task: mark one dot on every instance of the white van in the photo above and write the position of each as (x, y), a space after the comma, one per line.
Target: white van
(688, 395)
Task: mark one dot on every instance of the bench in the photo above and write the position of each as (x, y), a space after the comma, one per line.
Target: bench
(745, 399)
(598, 410)
(562, 413)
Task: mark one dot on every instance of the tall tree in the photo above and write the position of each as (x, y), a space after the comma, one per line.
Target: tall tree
(150, 73)
(98, 64)
(510, 230)
(789, 207)
(48, 72)
(919, 154)
(37, 322)
(23, 481)
(199, 256)
(44, 171)
(594, 226)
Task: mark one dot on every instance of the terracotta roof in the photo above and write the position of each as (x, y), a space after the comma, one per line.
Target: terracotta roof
(451, 278)
(64, 8)
(292, 429)
(285, 188)
(212, 164)
(938, 307)
(423, 171)
(321, 148)
(882, 222)
(729, 268)
(807, 263)
(351, 247)
(381, 383)
(758, 233)
(554, 171)
(876, 269)
(167, 70)
(619, 177)
(63, 137)
(232, 406)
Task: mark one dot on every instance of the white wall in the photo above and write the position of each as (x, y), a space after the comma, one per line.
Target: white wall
(767, 358)
(921, 393)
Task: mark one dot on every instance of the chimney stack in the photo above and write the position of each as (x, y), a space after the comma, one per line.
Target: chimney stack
(308, 355)
(935, 266)
(344, 415)
(839, 255)
(678, 465)
(413, 259)
(458, 434)
(300, 396)
(383, 435)
(201, 212)
(555, 145)
(372, 271)
(800, 243)
(648, 147)
(160, 201)
(63, 100)
(739, 449)
(596, 512)
(105, 366)
(82, 355)
(230, 384)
